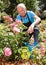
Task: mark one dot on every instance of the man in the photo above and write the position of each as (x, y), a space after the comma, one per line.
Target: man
(30, 20)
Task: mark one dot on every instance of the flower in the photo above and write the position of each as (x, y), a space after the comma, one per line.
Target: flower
(7, 51)
(8, 18)
(42, 50)
(16, 30)
(13, 25)
(24, 52)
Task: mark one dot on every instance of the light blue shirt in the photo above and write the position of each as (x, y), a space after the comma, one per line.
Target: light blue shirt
(31, 15)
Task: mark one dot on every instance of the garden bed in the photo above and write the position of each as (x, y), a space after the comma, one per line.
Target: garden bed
(23, 62)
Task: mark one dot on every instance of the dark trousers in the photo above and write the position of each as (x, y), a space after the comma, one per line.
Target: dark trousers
(35, 34)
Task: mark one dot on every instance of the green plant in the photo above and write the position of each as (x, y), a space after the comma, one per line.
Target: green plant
(9, 39)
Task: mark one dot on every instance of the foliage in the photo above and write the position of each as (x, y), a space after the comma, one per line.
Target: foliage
(1, 5)
(37, 57)
(42, 29)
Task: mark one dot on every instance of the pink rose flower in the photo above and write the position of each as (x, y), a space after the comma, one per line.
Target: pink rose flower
(7, 51)
(12, 25)
(8, 18)
(42, 50)
(16, 30)
(5, 17)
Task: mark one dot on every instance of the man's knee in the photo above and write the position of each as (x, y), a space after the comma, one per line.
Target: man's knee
(36, 30)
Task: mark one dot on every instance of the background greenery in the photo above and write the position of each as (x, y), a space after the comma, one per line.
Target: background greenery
(9, 6)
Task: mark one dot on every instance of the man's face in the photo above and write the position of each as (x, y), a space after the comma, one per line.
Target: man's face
(21, 11)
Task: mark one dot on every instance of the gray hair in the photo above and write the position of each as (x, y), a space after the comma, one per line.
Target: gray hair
(21, 5)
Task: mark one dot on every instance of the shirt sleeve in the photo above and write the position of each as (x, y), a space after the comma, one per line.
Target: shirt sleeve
(32, 14)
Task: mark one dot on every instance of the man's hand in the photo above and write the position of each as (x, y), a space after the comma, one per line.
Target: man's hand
(30, 29)
(19, 22)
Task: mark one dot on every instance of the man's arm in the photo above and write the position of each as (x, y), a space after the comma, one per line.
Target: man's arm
(37, 20)
(31, 27)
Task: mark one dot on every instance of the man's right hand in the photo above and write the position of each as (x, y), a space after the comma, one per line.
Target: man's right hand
(30, 29)
(19, 22)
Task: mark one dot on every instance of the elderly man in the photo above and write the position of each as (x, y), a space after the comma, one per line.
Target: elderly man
(30, 20)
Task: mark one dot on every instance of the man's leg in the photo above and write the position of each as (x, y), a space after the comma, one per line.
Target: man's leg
(36, 33)
(28, 44)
